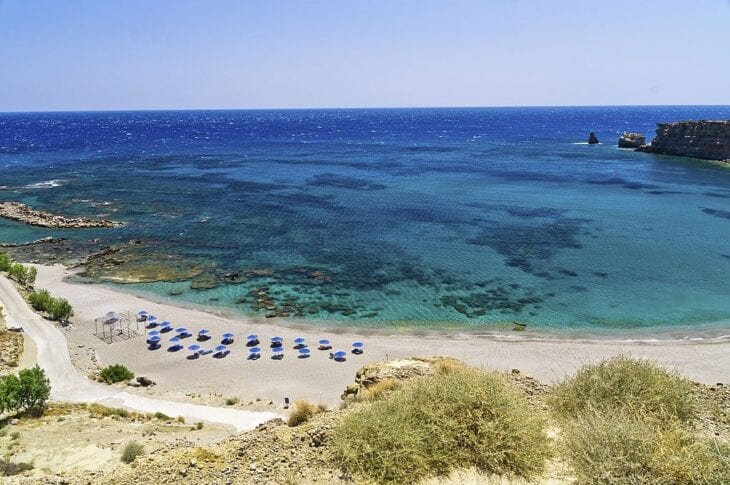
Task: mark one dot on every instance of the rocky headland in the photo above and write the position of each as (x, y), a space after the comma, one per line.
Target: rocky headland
(17, 211)
(708, 140)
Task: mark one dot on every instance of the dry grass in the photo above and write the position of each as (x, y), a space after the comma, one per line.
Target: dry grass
(620, 449)
(302, 411)
(379, 389)
(437, 424)
(637, 388)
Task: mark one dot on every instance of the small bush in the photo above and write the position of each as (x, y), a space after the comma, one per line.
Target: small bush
(199, 425)
(24, 275)
(231, 401)
(636, 387)
(116, 373)
(162, 416)
(9, 468)
(104, 411)
(132, 451)
(381, 388)
(5, 262)
(440, 423)
(56, 308)
(29, 391)
(620, 449)
(301, 412)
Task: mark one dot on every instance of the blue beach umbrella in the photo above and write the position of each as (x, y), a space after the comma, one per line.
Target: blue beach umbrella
(254, 350)
(277, 339)
(175, 339)
(324, 341)
(304, 353)
(154, 339)
(194, 348)
(276, 342)
(181, 330)
(357, 347)
(252, 337)
(299, 340)
(151, 317)
(228, 335)
(278, 350)
(221, 348)
(143, 312)
(340, 355)
(165, 324)
(153, 332)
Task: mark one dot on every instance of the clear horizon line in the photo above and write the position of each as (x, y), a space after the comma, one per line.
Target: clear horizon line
(298, 108)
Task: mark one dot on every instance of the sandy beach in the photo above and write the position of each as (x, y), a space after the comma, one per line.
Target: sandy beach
(318, 378)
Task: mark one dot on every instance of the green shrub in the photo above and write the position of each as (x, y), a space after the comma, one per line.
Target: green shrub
(162, 416)
(620, 449)
(301, 412)
(29, 390)
(116, 373)
(231, 401)
(23, 275)
(440, 423)
(637, 388)
(103, 411)
(56, 308)
(132, 451)
(35, 389)
(5, 262)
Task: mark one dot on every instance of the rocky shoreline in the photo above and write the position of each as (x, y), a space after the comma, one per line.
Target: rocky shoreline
(20, 212)
(707, 140)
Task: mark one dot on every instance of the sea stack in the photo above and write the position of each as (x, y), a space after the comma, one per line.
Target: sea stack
(592, 139)
(631, 140)
(708, 140)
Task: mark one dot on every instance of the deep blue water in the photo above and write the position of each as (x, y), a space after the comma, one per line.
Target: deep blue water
(427, 217)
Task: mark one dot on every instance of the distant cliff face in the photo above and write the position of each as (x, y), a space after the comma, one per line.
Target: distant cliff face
(709, 140)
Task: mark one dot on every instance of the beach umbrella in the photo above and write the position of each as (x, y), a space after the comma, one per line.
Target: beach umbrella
(277, 350)
(221, 348)
(299, 340)
(252, 337)
(154, 339)
(227, 335)
(277, 339)
(203, 332)
(304, 352)
(254, 350)
(340, 355)
(194, 348)
(165, 324)
(181, 330)
(358, 345)
(154, 332)
(143, 312)
(324, 341)
(175, 339)
(151, 317)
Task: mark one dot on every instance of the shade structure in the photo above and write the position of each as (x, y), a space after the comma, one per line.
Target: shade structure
(204, 331)
(151, 317)
(227, 335)
(324, 341)
(304, 352)
(278, 350)
(153, 332)
(252, 337)
(299, 340)
(358, 345)
(277, 339)
(181, 330)
(143, 312)
(194, 348)
(340, 355)
(221, 348)
(154, 339)
(175, 339)
(254, 350)
(165, 324)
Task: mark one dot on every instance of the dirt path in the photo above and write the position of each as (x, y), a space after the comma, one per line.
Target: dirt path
(69, 385)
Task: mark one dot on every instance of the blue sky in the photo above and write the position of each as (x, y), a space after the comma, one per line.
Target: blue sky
(153, 54)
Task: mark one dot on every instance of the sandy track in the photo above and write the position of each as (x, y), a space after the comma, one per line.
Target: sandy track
(69, 385)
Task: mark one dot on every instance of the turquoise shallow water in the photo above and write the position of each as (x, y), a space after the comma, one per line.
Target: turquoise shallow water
(458, 218)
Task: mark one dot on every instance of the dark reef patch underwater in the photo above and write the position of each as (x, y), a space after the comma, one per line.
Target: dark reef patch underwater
(431, 218)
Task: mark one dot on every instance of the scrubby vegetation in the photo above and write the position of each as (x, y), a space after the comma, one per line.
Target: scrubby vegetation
(637, 388)
(115, 373)
(23, 275)
(56, 308)
(434, 425)
(9, 468)
(28, 391)
(628, 421)
(302, 411)
(132, 451)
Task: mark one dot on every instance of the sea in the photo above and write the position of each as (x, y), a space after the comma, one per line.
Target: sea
(453, 219)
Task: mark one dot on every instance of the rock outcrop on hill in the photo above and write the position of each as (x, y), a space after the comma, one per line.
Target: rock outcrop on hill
(22, 213)
(708, 140)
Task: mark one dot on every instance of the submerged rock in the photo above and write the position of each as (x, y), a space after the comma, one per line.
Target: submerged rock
(20, 212)
(592, 139)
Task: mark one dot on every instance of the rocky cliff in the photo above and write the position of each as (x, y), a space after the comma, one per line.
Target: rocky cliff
(709, 140)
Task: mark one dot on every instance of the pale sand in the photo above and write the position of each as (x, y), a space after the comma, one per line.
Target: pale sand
(320, 379)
